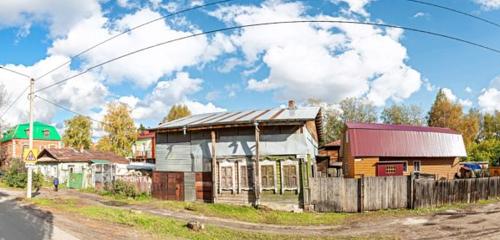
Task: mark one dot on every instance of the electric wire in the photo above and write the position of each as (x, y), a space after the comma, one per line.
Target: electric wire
(68, 109)
(273, 23)
(15, 72)
(130, 30)
(455, 11)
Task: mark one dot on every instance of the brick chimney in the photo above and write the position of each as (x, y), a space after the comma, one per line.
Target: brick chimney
(291, 105)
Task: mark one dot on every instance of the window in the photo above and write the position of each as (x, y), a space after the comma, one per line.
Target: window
(267, 173)
(46, 133)
(416, 166)
(246, 177)
(390, 169)
(226, 177)
(290, 176)
(405, 166)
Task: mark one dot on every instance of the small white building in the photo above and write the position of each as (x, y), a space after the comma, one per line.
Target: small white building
(80, 169)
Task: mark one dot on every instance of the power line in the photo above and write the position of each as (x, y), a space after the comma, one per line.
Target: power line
(14, 102)
(15, 72)
(455, 11)
(130, 30)
(272, 23)
(68, 109)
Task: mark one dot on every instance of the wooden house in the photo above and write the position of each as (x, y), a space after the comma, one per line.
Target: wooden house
(80, 168)
(392, 150)
(328, 161)
(143, 149)
(218, 152)
(15, 141)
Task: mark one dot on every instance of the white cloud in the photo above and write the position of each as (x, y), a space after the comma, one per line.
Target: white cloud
(452, 97)
(145, 68)
(355, 6)
(488, 4)
(80, 95)
(60, 16)
(489, 100)
(468, 89)
(167, 93)
(326, 61)
(131, 101)
(420, 14)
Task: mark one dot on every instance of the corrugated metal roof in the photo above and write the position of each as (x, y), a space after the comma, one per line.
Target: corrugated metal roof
(266, 115)
(382, 140)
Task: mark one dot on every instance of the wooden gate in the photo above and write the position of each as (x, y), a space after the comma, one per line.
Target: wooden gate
(75, 180)
(168, 185)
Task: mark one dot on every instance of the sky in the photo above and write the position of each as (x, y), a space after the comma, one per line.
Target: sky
(251, 68)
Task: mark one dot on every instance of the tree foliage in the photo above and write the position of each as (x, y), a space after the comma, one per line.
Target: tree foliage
(487, 150)
(120, 130)
(402, 114)
(78, 133)
(445, 113)
(176, 112)
(490, 126)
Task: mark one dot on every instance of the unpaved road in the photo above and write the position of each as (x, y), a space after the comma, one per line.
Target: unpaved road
(477, 222)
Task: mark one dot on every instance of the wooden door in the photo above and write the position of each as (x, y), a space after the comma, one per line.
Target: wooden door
(175, 186)
(203, 185)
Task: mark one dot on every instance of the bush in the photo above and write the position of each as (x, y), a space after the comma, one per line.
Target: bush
(17, 176)
(124, 189)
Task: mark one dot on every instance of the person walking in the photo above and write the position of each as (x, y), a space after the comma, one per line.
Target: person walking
(56, 184)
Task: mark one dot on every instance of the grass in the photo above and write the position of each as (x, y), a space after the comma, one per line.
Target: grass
(158, 226)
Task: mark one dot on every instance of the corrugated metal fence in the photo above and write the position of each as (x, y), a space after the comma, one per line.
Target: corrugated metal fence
(375, 193)
(141, 183)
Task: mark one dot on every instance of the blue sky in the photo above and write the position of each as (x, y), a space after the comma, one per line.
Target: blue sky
(250, 68)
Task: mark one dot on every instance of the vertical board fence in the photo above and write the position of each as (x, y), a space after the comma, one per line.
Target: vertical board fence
(430, 193)
(375, 193)
(142, 184)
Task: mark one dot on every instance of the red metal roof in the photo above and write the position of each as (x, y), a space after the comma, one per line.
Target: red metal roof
(383, 140)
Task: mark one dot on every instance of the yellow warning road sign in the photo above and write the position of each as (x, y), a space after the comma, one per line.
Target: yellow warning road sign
(30, 155)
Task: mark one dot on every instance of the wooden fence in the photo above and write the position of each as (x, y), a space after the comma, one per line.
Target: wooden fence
(375, 193)
(429, 193)
(355, 195)
(142, 183)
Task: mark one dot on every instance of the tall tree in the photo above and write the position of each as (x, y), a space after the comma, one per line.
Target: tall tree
(445, 113)
(176, 112)
(78, 133)
(357, 110)
(402, 114)
(120, 129)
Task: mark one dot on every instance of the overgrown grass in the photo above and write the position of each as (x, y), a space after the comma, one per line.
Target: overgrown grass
(156, 225)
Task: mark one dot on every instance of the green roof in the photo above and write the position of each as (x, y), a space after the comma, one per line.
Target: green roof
(100, 161)
(42, 132)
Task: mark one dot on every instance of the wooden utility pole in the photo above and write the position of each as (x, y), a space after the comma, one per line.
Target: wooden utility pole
(214, 167)
(257, 165)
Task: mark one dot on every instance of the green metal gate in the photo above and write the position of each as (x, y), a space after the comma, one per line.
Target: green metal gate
(76, 180)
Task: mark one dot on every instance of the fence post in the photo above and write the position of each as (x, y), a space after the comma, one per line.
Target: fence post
(361, 189)
(411, 194)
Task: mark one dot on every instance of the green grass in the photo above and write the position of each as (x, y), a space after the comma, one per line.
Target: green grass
(156, 225)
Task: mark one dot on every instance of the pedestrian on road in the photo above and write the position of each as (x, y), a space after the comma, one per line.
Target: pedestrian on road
(56, 184)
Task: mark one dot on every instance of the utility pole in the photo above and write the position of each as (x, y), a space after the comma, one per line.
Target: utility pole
(31, 130)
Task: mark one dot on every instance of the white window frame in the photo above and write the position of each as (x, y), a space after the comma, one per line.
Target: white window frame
(226, 163)
(246, 163)
(289, 162)
(273, 164)
(419, 165)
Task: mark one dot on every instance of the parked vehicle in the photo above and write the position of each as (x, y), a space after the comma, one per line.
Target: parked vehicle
(472, 170)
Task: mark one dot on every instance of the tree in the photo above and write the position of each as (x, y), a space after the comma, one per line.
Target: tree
(78, 133)
(120, 129)
(487, 150)
(141, 128)
(469, 126)
(490, 126)
(348, 110)
(402, 114)
(445, 113)
(176, 112)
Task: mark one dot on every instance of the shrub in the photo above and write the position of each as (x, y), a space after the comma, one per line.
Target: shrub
(124, 189)
(16, 176)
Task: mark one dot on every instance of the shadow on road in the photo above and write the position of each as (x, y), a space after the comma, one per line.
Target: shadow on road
(17, 222)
